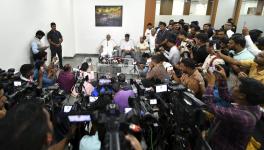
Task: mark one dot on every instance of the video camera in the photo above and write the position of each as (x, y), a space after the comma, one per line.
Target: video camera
(172, 111)
(8, 80)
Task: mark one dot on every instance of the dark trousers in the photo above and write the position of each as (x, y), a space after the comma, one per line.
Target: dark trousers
(131, 53)
(57, 51)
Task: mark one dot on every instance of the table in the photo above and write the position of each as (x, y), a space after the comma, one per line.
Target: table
(112, 70)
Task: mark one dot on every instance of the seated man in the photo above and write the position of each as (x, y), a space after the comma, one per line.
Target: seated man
(127, 47)
(27, 73)
(157, 70)
(27, 78)
(256, 66)
(233, 126)
(107, 46)
(143, 46)
(191, 77)
(41, 70)
(37, 45)
(66, 78)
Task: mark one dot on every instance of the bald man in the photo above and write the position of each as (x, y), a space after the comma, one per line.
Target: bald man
(107, 46)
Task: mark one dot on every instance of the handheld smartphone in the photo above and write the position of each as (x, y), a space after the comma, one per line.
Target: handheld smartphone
(127, 110)
(153, 101)
(67, 109)
(79, 118)
(215, 47)
(161, 88)
(17, 83)
(104, 81)
(93, 99)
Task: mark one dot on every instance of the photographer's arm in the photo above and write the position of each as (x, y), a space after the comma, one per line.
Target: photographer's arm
(40, 79)
(163, 42)
(150, 74)
(191, 53)
(2, 112)
(134, 142)
(3, 99)
(61, 145)
(175, 78)
(229, 59)
(223, 113)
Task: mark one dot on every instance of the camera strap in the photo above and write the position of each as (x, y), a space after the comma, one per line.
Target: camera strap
(212, 131)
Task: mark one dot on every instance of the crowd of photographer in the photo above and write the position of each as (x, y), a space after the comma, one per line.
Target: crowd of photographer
(199, 89)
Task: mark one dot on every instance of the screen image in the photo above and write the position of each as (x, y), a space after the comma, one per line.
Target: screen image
(67, 109)
(79, 118)
(153, 101)
(161, 88)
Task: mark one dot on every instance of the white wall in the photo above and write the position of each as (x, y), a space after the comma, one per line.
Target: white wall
(20, 19)
(166, 18)
(225, 10)
(88, 37)
(252, 22)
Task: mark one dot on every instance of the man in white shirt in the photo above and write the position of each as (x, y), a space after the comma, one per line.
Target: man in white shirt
(127, 47)
(174, 54)
(148, 30)
(228, 28)
(151, 40)
(107, 46)
(143, 46)
(37, 45)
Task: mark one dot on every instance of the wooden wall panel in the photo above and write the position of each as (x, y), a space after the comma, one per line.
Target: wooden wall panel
(166, 7)
(209, 7)
(214, 11)
(150, 10)
(187, 8)
(260, 7)
(237, 11)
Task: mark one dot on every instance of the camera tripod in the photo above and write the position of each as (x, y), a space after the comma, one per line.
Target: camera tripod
(134, 69)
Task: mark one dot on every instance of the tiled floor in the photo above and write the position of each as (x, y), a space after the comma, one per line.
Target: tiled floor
(78, 59)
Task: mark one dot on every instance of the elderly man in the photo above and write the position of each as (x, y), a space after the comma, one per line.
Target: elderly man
(107, 46)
